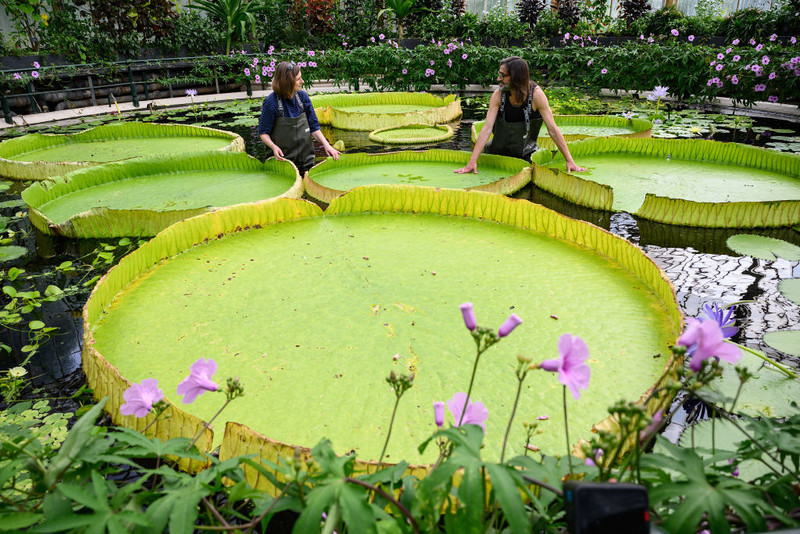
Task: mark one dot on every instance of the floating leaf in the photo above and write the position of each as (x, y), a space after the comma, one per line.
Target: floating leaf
(12, 252)
(786, 341)
(790, 289)
(765, 248)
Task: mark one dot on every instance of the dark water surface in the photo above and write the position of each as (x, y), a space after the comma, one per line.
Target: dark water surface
(702, 269)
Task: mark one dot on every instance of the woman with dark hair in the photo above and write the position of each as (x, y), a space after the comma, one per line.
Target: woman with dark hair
(517, 110)
(288, 120)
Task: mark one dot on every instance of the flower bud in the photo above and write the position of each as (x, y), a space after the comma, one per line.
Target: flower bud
(511, 323)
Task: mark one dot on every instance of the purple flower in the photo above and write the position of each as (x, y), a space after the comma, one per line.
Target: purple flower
(381, 36)
(432, 63)
(199, 380)
(765, 60)
(372, 39)
(650, 429)
(258, 79)
(734, 80)
(691, 38)
(17, 76)
(312, 63)
(36, 65)
(752, 41)
(543, 418)
(450, 63)
(598, 456)
(720, 56)
(759, 88)
(246, 71)
(405, 71)
(759, 47)
(572, 371)
(139, 398)
(589, 63)
(674, 32)
(429, 72)
(438, 413)
(773, 37)
(255, 61)
(793, 40)
(191, 92)
(737, 58)
(507, 327)
(735, 42)
(772, 76)
(660, 91)
(475, 414)
(720, 67)
(469, 316)
(463, 56)
(35, 74)
(772, 98)
(707, 340)
(604, 71)
(310, 53)
(729, 50)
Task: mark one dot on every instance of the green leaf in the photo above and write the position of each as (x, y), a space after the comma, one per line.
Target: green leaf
(790, 288)
(765, 248)
(77, 440)
(357, 514)
(12, 252)
(36, 325)
(319, 500)
(787, 341)
(505, 482)
(18, 520)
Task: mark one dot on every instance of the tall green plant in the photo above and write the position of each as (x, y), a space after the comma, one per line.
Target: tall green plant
(235, 15)
(401, 10)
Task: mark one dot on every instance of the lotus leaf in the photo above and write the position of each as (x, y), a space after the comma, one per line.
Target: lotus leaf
(786, 341)
(371, 111)
(499, 174)
(42, 156)
(143, 196)
(308, 310)
(412, 134)
(765, 248)
(687, 182)
(790, 289)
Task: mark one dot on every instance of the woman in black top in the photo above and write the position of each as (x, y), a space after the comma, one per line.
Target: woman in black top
(517, 110)
(288, 121)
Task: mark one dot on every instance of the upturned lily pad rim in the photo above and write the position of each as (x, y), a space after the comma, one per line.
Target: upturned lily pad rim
(446, 133)
(106, 222)
(519, 177)
(638, 127)
(43, 170)
(105, 378)
(331, 109)
(761, 214)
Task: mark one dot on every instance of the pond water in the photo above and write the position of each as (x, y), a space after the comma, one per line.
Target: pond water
(697, 261)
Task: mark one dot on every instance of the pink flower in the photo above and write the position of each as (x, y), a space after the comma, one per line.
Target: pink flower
(572, 371)
(507, 327)
(372, 39)
(438, 413)
(735, 42)
(312, 63)
(257, 79)
(139, 398)
(759, 88)
(199, 380)
(17, 76)
(255, 61)
(728, 51)
(246, 71)
(651, 429)
(381, 36)
(773, 37)
(264, 70)
(475, 414)
(772, 98)
(737, 58)
(772, 76)
(463, 56)
(35, 74)
(674, 32)
(589, 63)
(759, 47)
(310, 53)
(432, 63)
(405, 71)
(709, 341)
(765, 60)
(720, 67)
(604, 71)
(450, 63)
(691, 38)
(793, 40)
(469, 316)
(36, 65)
(720, 56)
(734, 80)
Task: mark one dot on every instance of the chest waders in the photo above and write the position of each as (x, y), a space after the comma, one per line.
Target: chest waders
(516, 139)
(293, 137)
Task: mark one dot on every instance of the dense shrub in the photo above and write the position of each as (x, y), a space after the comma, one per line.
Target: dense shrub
(192, 33)
(500, 27)
(659, 22)
(569, 12)
(529, 11)
(69, 36)
(357, 21)
(633, 10)
(445, 25)
(749, 24)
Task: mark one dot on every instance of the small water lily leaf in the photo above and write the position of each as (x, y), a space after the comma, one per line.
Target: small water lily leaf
(787, 341)
(16, 203)
(4, 186)
(790, 289)
(12, 252)
(768, 392)
(765, 248)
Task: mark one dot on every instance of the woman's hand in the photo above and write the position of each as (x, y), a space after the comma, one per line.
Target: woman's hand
(572, 166)
(332, 152)
(278, 153)
(469, 167)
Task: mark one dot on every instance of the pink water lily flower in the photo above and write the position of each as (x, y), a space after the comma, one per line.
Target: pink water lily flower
(199, 380)
(707, 339)
(139, 398)
(570, 365)
(475, 414)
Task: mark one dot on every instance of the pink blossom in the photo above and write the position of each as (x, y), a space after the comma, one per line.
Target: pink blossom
(720, 56)
(720, 67)
(432, 63)
(381, 37)
(264, 70)
(708, 339)
(312, 63)
(728, 51)
(735, 42)
(469, 316)
(734, 80)
(139, 398)
(450, 63)
(793, 40)
(674, 32)
(438, 413)
(17, 76)
(572, 371)
(36, 65)
(429, 72)
(257, 79)
(255, 61)
(511, 323)
(34, 74)
(772, 98)
(737, 58)
(691, 38)
(475, 414)
(246, 71)
(199, 380)
(772, 75)
(765, 60)
(773, 37)
(310, 53)
(589, 63)
(604, 71)
(405, 71)
(759, 47)
(463, 56)
(372, 39)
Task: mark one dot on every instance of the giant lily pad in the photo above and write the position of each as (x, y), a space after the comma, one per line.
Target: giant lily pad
(308, 309)
(370, 111)
(686, 182)
(787, 341)
(498, 174)
(141, 197)
(42, 156)
(765, 248)
(577, 127)
(412, 134)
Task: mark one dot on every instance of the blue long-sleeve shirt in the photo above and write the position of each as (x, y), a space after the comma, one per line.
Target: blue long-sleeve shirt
(269, 110)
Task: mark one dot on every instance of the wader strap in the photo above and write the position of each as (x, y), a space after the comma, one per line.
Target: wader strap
(294, 99)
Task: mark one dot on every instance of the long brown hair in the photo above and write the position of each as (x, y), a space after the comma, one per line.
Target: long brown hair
(283, 81)
(520, 77)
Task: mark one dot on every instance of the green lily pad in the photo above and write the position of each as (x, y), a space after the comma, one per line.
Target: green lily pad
(786, 341)
(790, 289)
(308, 309)
(12, 252)
(15, 203)
(765, 248)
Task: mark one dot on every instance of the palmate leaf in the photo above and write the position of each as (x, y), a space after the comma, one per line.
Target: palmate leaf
(697, 497)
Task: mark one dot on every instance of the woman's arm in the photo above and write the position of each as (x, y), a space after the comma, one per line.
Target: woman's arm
(483, 137)
(541, 105)
(276, 150)
(313, 124)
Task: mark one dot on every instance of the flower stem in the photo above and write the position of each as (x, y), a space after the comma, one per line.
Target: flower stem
(786, 371)
(208, 424)
(566, 432)
(389, 434)
(521, 378)
(469, 389)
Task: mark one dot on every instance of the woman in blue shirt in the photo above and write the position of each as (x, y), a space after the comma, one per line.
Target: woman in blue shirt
(288, 121)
